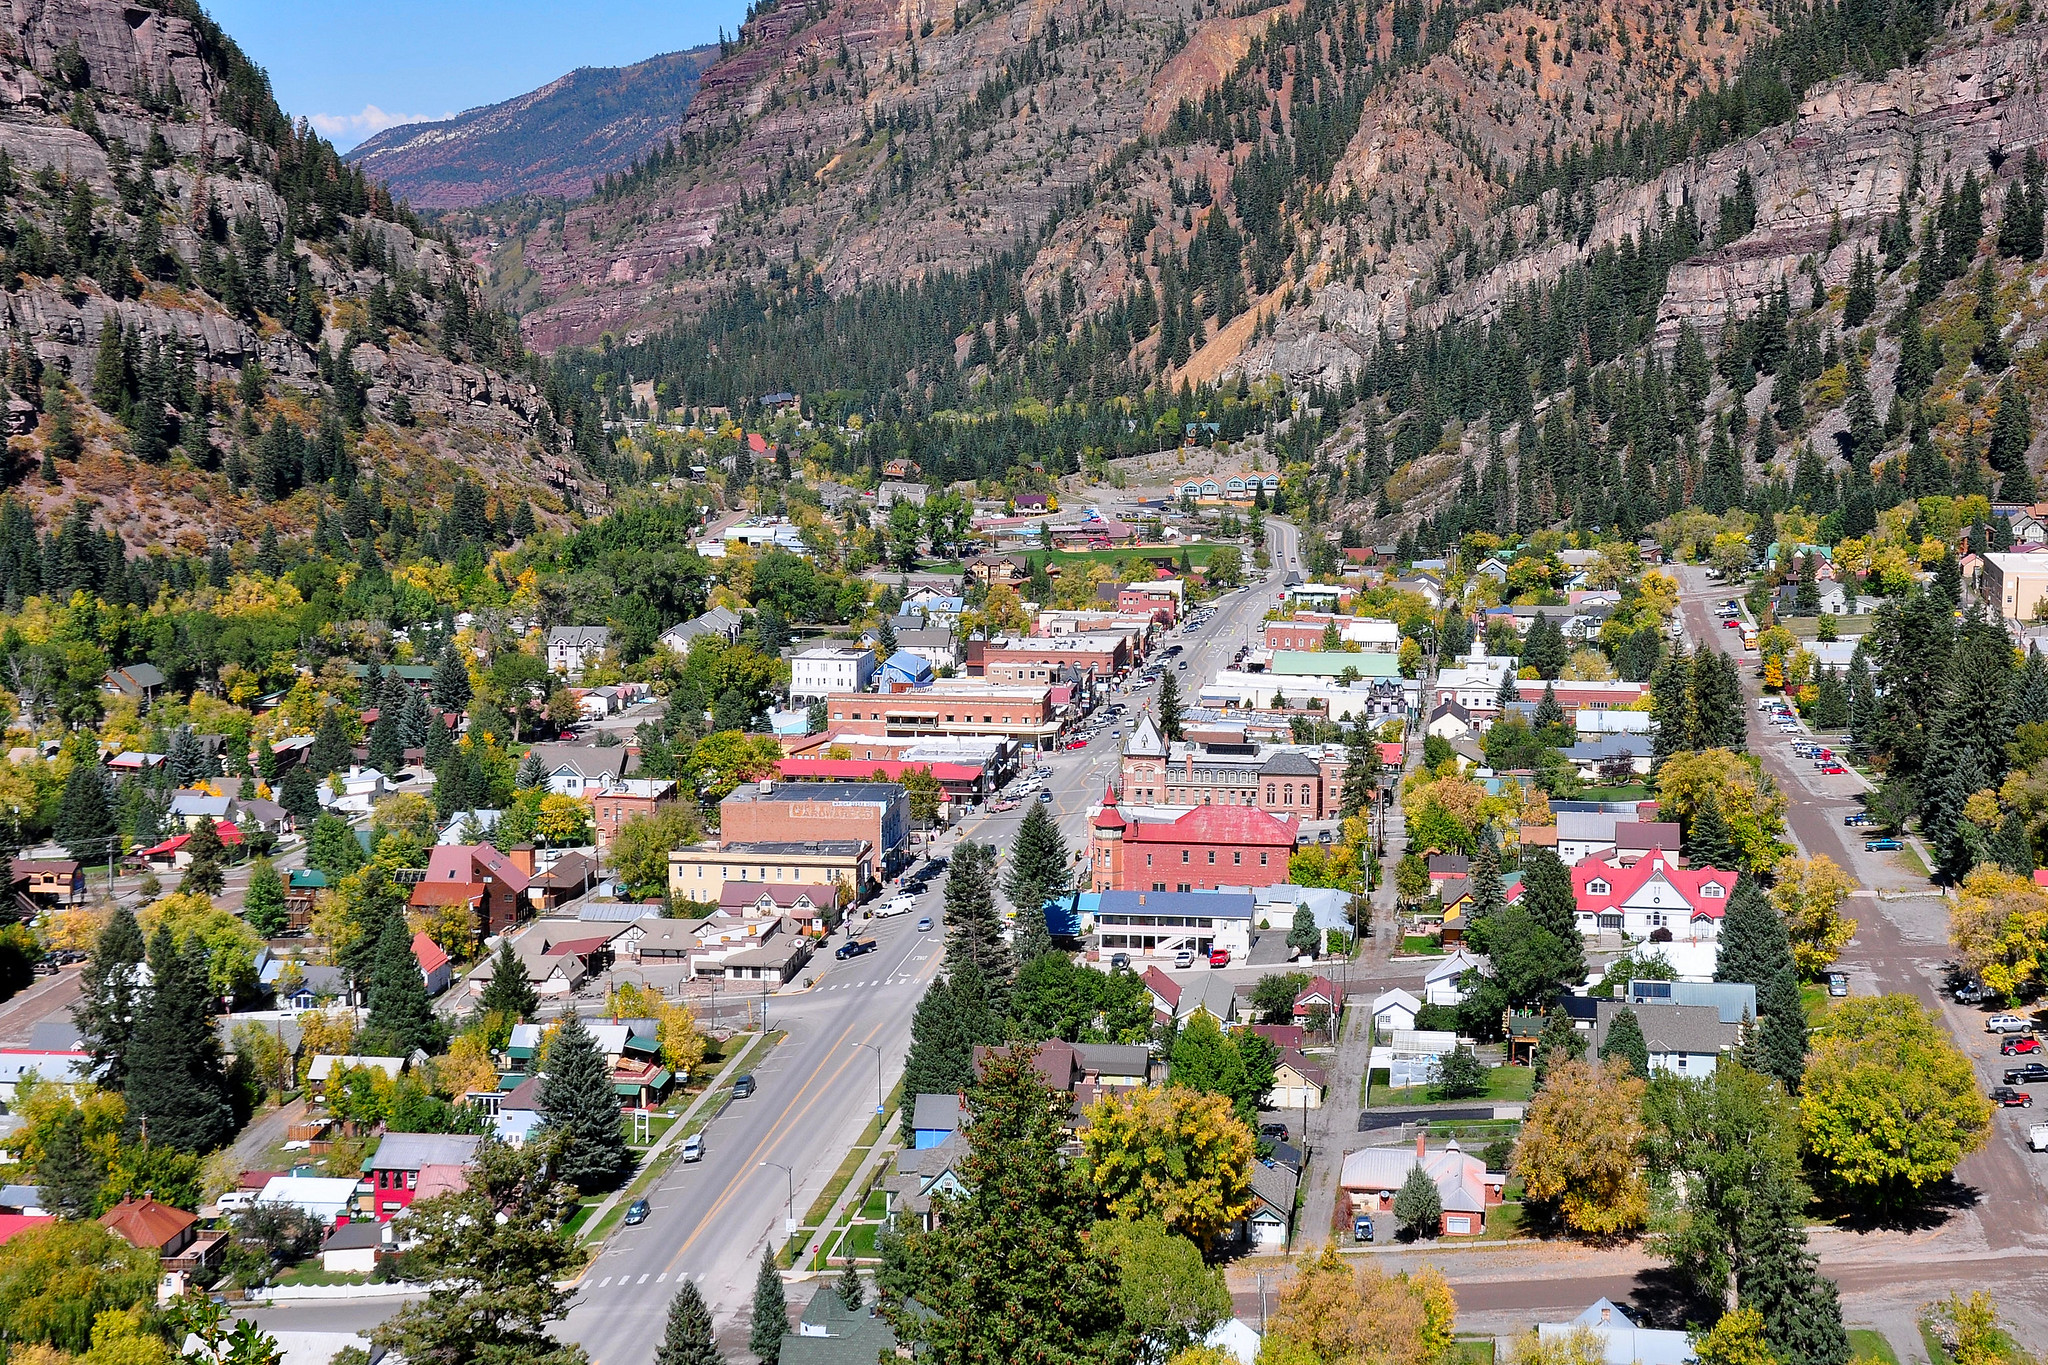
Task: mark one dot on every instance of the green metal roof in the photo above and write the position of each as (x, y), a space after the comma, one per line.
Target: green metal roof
(1302, 663)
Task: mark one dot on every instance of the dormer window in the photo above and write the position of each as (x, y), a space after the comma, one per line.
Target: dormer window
(1712, 891)
(1596, 887)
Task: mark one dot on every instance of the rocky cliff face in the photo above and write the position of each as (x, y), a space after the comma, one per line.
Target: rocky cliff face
(155, 192)
(554, 141)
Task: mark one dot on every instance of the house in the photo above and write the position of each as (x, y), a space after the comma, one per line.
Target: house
(1442, 985)
(493, 885)
(315, 984)
(1621, 1341)
(514, 1113)
(934, 1118)
(1734, 1001)
(173, 1234)
(1320, 993)
(1237, 1339)
(815, 674)
(48, 881)
(356, 790)
(190, 805)
(720, 622)
(1165, 992)
(814, 909)
(325, 1066)
(322, 1198)
(393, 1170)
(1202, 849)
(1634, 838)
(582, 769)
(1281, 1036)
(1683, 1040)
(1446, 867)
(934, 644)
(1651, 897)
(139, 681)
(1298, 1083)
(1394, 1009)
(906, 671)
(1610, 754)
(12, 1224)
(571, 648)
(830, 1333)
(67, 1068)
(1269, 1225)
(354, 1248)
(921, 1175)
(1449, 721)
(1161, 924)
(435, 967)
(1372, 1177)
(173, 854)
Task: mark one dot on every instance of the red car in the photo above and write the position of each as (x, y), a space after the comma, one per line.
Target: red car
(1219, 957)
(2012, 1047)
(1731, 624)
(1835, 770)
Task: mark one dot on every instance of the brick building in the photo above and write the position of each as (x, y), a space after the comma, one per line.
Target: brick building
(623, 798)
(492, 884)
(1309, 630)
(1224, 768)
(1199, 850)
(958, 706)
(874, 813)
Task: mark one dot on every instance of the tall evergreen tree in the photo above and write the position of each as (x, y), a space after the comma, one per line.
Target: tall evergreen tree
(1548, 897)
(1489, 897)
(849, 1288)
(974, 929)
(1756, 949)
(1625, 1040)
(1779, 1277)
(1039, 871)
(451, 682)
(177, 1087)
(263, 903)
(771, 1312)
(1560, 1041)
(1170, 726)
(1671, 705)
(1708, 842)
(1717, 715)
(110, 997)
(950, 1021)
(85, 817)
(688, 1339)
(508, 992)
(330, 750)
(401, 1017)
(579, 1107)
(299, 794)
(69, 1175)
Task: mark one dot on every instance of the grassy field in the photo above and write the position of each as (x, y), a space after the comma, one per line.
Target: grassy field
(1504, 1085)
(1635, 791)
(1471, 1351)
(1419, 943)
(1867, 1343)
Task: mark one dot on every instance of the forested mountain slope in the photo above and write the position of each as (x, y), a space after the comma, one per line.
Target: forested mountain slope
(554, 141)
(213, 325)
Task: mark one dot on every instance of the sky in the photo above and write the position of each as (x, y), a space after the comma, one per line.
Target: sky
(357, 69)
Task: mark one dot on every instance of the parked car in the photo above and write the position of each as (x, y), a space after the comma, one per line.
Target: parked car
(1184, 958)
(2037, 1137)
(1731, 624)
(1856, 818)
(1275, 1131)
(2007, 1023)
(2008, 1098)
(2020, 1046)
(2031, 1074)
(896, 905)
(1361, 1230)
(924, 924)
(743, 1087)
(693, 1147)
(1882, 845)
(636, 1213)
(856, 948)
(1047, 795)
(1834, 770)
(1119, 962)
(1838, 984)
(1219, 957)
(1968, 993)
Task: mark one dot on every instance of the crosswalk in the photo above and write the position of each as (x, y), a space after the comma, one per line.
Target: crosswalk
(626, 1280)
(863, 985)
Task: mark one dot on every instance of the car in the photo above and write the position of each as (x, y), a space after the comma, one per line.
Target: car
(636, 1213)
(693, 1147)
(1731, 624)
(1833, 770)
(1219, 957)
(1838, 984)
(2007, 1097)
(1361, 1230)
(1045, 796)
(896, 905)
(1856, 818)
(1883, 845)
(236, 1200)
(1119, 962)
(2007, 1023)
(1275, 1131)
(1184, 958)
(743, 1087)
(2029, 1074)
(924, 924)
(2020, 1046)
(857, 947)
(46, 966)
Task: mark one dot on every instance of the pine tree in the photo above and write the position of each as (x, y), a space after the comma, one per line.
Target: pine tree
(1756, 949)
(1777, 1276)
(401, 1018)
(1560, 1042)
(1418, 1204)
(387, 750)
(1549, 714)
(69, 1175)
(85, 818)
(950, 1021)
(414, 719)
(299, 794)
(203, 875)
(849, 1288)
(688, 1340)
(1547, 896)
(2012, 847)
(1169, 709)
(1717, 716)
(508, 992)
(451, 682)
(771, 1312)
(578, 1105)
(974, 930)
(1489, 897)
(177, 1087)
(263, 903)
(331, 749)
(1625, 1040)
(1708, 842)
(1039, 871)
(110, 997)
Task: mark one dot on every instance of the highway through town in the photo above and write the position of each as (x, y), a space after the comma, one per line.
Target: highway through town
(847, 1036)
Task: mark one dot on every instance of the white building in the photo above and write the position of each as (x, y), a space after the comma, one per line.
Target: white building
(1394, 1011)
(818, 673)
(571, 648)
(1440, 985)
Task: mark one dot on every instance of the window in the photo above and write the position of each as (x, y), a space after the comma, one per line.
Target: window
(1212, 857)
(1262, 860)
(1596, 887)
(1237, 859)
(1185, 887)
(1184, 857)
(1712, 891)
(1269, 793)
(1289, 790)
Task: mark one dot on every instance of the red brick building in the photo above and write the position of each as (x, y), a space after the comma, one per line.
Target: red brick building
(1036, 661)
(1207, 848)
(960, 706)
(492, 884)
(1161, 601)
(620, 799)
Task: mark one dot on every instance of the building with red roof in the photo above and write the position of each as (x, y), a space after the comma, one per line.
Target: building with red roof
(13, 1223)
(171, 854)
(1204, 849)
(965, 782)
(492, 884)
(1655, 897)
(435, 967)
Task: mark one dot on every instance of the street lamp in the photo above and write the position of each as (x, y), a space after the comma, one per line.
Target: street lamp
(789, 1223)
(878, 1074)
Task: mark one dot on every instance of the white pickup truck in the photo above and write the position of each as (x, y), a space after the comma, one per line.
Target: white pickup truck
(2037, 1137)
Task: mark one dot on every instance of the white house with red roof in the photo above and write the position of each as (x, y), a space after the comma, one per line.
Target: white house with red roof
(1653, 897)
(1165, 992)
(435, 968)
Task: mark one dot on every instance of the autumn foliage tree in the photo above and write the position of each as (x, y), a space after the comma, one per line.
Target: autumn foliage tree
(1175, 1154)
(1333, 1313)
(1999, 925)
(1809, 894)
(1578, 1152)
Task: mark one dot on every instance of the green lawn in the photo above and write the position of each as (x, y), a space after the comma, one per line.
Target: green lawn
(309, 1273)
(1471, 1351)
(860, 1241)
(1419, 943)
(1633, 792)
(1504, 1222)
(877, 1205)
(1867, 1343)
(1504, 1085)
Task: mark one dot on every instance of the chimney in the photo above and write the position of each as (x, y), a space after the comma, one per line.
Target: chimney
(522, 857)
(1421, 1144)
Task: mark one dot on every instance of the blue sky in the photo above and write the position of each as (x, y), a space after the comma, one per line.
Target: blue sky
(358, 68)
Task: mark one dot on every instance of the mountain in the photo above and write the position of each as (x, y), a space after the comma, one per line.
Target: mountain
(212, 325)
(555, 141)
